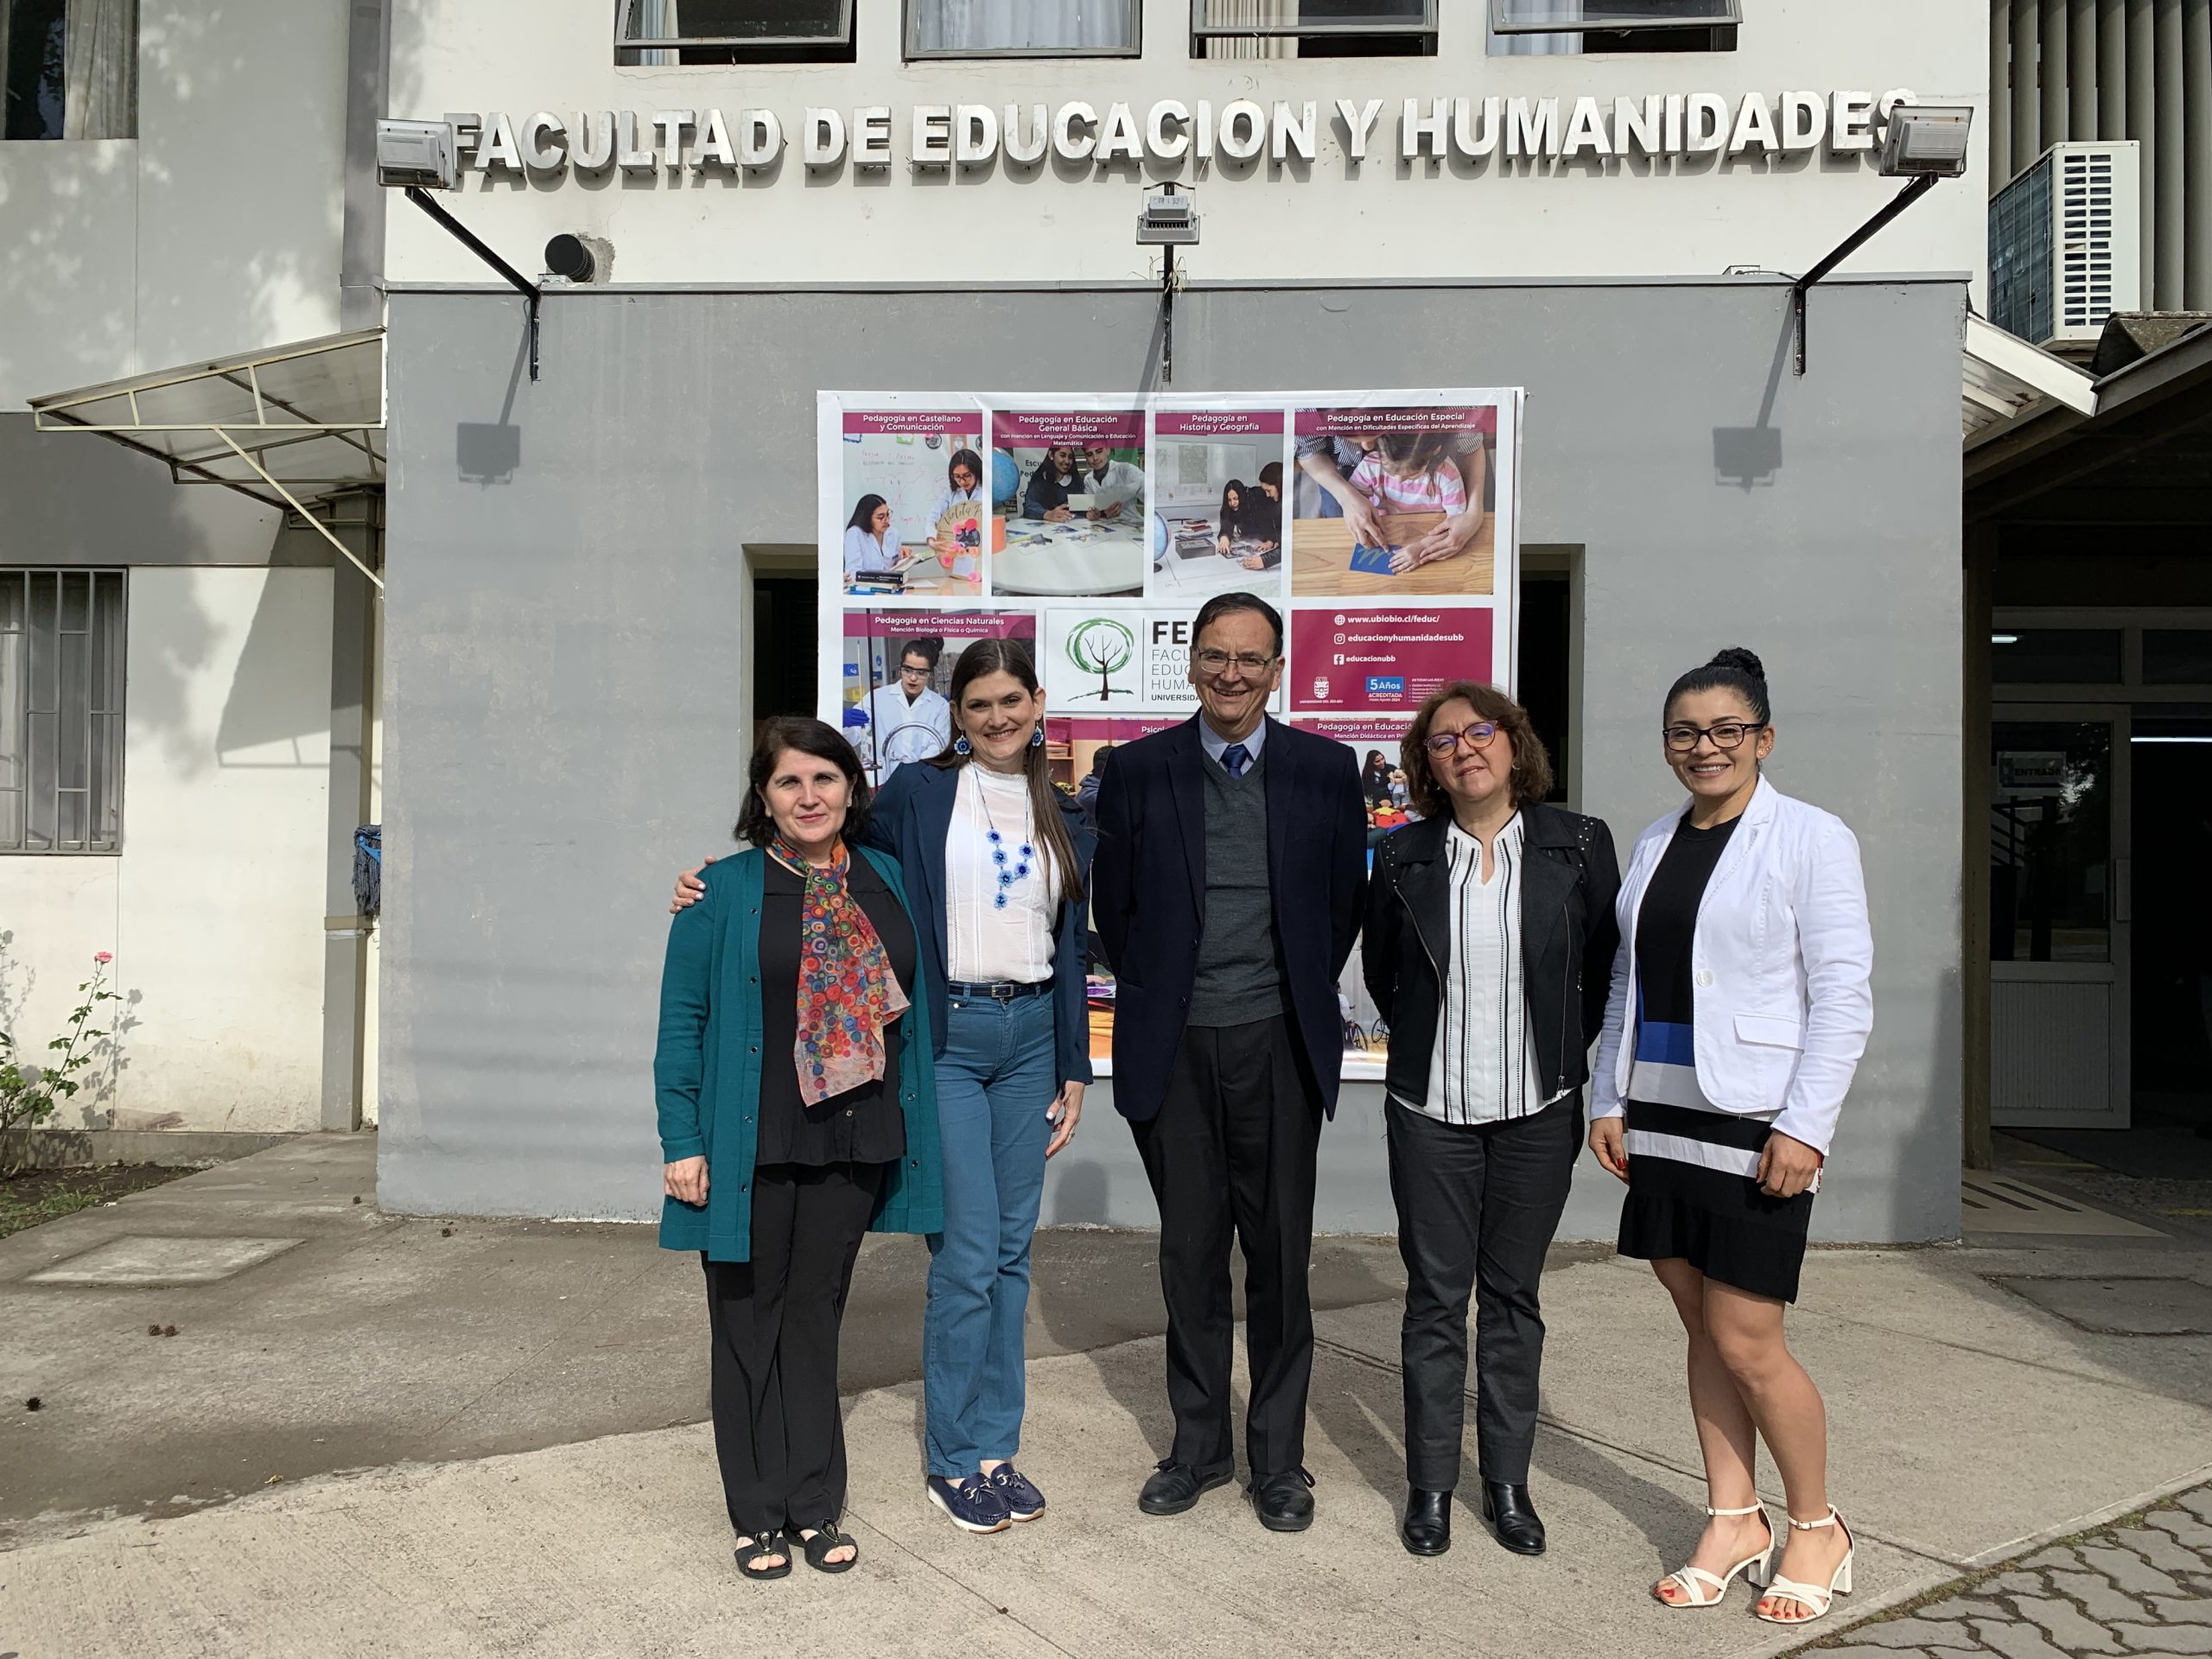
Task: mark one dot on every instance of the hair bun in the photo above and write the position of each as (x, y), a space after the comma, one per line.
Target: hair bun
(1742, 661)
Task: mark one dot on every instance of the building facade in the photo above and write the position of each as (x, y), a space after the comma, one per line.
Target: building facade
(599, 548)
(171, 187)
(579, 562)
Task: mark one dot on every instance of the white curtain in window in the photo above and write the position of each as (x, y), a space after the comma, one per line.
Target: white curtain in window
(100, 48)
(1248, 14)
(1003, 25)
(1537, 46)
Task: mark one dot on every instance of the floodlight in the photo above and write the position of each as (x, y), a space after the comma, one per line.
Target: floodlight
(1926, 140)
(1169, 218)
(416, 155)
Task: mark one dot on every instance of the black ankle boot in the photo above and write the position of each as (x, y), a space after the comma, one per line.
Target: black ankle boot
(1426, 1529)
(1513, 1518)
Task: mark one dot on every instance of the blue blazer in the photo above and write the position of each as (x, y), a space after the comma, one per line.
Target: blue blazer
(1148, 894)
(911, 820)
(707, 1069)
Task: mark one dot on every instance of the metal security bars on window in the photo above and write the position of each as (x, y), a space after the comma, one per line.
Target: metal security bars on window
(61, 646)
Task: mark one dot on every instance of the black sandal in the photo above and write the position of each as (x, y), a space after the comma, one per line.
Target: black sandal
(771, 1542)
(827, 1538)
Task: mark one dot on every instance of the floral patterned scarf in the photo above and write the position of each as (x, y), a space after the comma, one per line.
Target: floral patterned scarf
(847, 992)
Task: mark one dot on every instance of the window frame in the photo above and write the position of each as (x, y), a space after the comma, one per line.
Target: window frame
(91, 846)
(1427, 30)
(777, 43)
(1631, 25)
(909, 29)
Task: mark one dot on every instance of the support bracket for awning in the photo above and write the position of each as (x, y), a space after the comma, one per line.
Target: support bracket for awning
(293, 427)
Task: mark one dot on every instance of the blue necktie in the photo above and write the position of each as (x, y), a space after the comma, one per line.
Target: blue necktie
(1236, 757)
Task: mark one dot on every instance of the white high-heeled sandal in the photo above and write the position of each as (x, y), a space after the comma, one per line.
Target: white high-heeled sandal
(1812, 1595)
(1691, 1580)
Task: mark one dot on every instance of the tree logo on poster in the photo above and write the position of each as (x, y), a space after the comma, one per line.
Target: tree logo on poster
(1101, 647)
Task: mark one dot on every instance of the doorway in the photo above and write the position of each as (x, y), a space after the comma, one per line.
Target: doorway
(2172, 1004)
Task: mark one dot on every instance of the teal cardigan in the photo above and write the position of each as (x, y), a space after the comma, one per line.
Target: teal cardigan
(707, 1069)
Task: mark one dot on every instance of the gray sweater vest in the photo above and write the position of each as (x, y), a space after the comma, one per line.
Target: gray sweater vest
(1240, 976)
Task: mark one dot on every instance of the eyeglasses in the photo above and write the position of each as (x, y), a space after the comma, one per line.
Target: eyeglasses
(914, 669)
(1213, 661)
(1726, 735)
(1477, 737)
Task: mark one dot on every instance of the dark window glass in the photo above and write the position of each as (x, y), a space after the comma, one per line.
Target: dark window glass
(2051, 842)
(35, 64)
(2177, 656)
(2055, 656)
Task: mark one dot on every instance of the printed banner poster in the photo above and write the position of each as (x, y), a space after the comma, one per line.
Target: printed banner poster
(1349, 659)
(1076, 524)
(1382, 523)
(914, 505)
(1218, 480)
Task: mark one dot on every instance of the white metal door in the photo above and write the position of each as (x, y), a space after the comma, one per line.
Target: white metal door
(2059, 916)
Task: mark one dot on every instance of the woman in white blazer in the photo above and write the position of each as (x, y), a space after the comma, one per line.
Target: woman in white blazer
(1739, 1009)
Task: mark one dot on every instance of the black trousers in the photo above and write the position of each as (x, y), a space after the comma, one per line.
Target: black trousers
(777, 1434)
(1477, 1205)
(1233, 1148)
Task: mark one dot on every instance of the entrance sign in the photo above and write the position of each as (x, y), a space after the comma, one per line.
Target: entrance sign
(1383, 524)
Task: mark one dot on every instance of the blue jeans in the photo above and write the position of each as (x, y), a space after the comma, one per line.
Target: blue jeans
(995, 1080)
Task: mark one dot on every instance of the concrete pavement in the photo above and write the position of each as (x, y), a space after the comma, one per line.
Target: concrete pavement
(529, 1476)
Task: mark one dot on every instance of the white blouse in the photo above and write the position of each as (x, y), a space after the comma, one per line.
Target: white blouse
(1482, 1066)
(987, 942)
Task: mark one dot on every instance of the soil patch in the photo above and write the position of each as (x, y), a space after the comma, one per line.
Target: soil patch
(41, 1195)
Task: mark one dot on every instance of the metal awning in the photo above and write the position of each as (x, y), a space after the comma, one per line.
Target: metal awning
(2004, 381)
(291, 426)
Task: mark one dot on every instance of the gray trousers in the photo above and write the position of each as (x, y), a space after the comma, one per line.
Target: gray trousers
(1477, 1209)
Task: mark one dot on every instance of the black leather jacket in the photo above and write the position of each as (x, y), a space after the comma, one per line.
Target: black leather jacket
(1568, 937)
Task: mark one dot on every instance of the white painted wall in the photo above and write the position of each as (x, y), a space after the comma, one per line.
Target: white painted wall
(216, 229)
(213, 908)
(1072, 222)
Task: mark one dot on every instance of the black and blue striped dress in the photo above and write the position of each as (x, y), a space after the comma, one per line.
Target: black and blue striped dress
(1693, 1187)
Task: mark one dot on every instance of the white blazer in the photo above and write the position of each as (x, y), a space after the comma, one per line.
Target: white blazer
(1779, 962)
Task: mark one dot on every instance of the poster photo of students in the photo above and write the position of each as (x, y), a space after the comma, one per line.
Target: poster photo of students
(1394, 501)
(913, 502)
(1068, 511)
(897, 670)
(1218, 477)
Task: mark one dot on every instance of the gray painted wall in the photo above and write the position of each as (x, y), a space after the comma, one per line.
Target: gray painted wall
(565, 674)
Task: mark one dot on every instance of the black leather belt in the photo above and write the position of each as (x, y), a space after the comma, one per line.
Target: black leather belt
(999, 990)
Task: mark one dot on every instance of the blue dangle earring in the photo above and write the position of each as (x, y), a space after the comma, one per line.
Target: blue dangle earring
(960, 745)
(1037, 736)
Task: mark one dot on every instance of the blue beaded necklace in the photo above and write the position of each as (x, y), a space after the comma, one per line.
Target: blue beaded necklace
(1025, 854)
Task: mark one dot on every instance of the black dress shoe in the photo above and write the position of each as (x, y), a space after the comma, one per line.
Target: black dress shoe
(1426, 1529)
(1513, 1518)
(1174, 1487)
(1284, 1503)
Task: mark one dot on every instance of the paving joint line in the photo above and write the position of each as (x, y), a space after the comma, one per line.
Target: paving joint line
(961, 1585)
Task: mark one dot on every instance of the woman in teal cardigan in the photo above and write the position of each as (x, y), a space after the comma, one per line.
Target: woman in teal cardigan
(797, 1104)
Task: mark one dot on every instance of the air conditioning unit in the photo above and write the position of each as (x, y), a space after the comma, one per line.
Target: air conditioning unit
(2065, 244)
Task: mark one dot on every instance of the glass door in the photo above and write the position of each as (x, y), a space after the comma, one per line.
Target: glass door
(2060, 917)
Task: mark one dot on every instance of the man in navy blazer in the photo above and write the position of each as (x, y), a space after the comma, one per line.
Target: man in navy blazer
(1231, 854)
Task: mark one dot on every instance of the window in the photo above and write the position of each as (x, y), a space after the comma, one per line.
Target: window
(1520, 27)
(68, 69)
(1312, 29)
(2055, 656)
(733, 31)
(993, 28)
(61, 711)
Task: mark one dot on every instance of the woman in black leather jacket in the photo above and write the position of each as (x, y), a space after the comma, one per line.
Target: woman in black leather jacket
(1489, 949)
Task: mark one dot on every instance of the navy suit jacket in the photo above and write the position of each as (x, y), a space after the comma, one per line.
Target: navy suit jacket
(911, 820)
(1149, 895)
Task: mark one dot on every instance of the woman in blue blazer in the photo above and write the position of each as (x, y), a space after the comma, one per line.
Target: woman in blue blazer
(995, 859)
(797, 1108)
